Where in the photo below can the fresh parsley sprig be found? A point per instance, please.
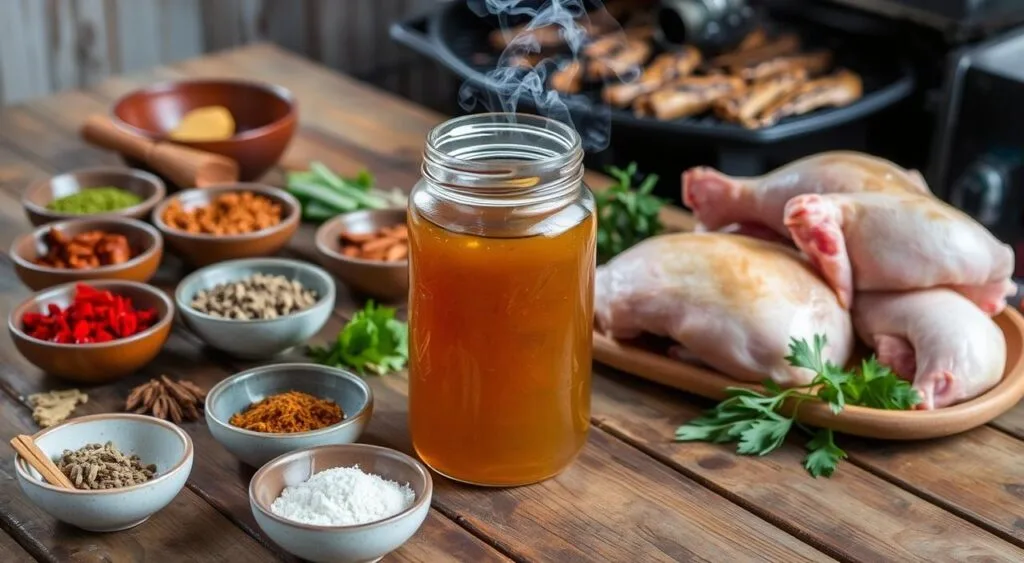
(754, 420)
(374, 340)
(626, 216)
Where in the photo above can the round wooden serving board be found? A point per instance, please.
(860, 421)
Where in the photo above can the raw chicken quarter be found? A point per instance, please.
(734, 302)
(950, 349)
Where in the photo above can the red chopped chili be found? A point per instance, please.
(93, 316)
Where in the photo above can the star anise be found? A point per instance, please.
(164, 398)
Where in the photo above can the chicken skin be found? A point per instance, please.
(718, 200)
(892, 242)
(731, 301)
(937, 339)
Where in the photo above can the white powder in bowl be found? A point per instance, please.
(343, 496)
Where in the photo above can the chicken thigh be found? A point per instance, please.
(939, 340)
(718, 200)
(892, 242)
(731, 301)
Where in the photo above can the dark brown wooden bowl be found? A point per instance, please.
(94, 363)
(143, 184)
(265, 118)
(143, 238)
(204, 249)
(387, 281)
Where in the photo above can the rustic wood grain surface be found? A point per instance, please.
(633, 494)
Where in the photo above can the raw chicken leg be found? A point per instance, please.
(937, 339)
(892, 242)
(718, 200)
(732, 301)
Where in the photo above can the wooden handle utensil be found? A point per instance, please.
(185, 166)
(30, 452)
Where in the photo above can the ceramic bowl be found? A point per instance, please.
(153, 440)
(387, 281)
(203, 249)
(265, 117)
(236, 393)
(340, 544)
(256, 339)
(144, 240)
(94, 363)
(42, 193)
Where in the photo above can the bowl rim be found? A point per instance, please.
(157, 246)
(288, 220)
(428, 489)
(278, 91)
(131, 417)
(225, 383)
(327, 251)
(187, 310)
(159, 192)
(167, 319)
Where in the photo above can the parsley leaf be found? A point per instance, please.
(823, 455)
(626, 216)
(374, 340)
(754, 420)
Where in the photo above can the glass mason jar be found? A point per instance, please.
(501, 266)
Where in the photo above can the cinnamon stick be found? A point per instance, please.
(30, 452)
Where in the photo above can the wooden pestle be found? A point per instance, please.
(184, 166)
(30, 452)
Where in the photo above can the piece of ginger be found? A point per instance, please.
(205, 124)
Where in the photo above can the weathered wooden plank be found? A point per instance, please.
(23, 50)
(93, 50)
(284, 23)
(138, 33)
(229, 23)
(12, 552)
(181, 29)
(1012, 422)
(854, 515)
(37, 140)
(61, 37)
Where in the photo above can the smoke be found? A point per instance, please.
(511, 82)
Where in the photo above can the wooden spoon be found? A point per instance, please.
(30, 452)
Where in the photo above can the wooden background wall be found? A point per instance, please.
(50, 45)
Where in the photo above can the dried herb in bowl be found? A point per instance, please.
(103, 466)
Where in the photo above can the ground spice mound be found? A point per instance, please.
(288, 412)
(97, 466)
(228, 214)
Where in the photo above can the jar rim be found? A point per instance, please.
(481, 125)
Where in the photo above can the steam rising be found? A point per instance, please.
(510, 82)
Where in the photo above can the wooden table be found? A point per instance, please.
(633, 495)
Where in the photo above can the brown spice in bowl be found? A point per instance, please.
(232, 213)
(91, 249)
(387, 244)
(285, 413)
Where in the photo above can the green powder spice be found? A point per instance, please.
(95, 200)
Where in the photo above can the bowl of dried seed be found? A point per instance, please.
(258, 307)
(124, 468)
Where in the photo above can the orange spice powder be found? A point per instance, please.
(288, 412)
(228, 214)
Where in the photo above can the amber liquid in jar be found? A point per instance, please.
(500, 345)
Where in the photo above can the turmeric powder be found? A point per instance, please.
(285, 413)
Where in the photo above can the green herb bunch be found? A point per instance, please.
(324, 194)
(755, 420)
(374, 340)
(626, 216)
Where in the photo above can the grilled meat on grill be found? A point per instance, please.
(744, 108)
(840, 89)
(663, 69)
(688, 96)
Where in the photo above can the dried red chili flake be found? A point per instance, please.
(93, 316)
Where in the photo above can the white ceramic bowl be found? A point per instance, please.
(361, 543)
(153, 440)
(237, 392)
(256, 339)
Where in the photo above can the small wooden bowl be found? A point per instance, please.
(94, 363)
(265, 117)
(204, 249)
(143, 184)
(388, 281)
(143, 239)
